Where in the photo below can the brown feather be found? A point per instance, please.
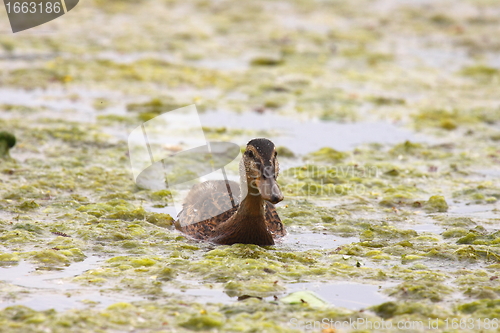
(253, 221)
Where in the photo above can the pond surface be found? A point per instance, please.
(308, 135)
(43, 290)
(354, 296)
(404, 201)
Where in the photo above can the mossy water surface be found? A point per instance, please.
(420, 215)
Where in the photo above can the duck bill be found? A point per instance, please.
(269, 190)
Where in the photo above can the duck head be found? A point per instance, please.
(259, 169)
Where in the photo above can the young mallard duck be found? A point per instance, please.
(254, 220)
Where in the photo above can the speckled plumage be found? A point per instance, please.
(252, 221)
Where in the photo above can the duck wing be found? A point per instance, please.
(273, 221)
(206, 206)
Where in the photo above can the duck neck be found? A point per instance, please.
(252, 204)
(248, 224)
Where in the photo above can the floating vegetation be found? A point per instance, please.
(7, 141)
(480, 72)
(414, 216)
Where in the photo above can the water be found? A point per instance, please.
(474, 210)
(297, 239)
(350, 295)
(427, 227)
(43, 290)
(163, 210)
(303, 241)
(423, 224)
(292, 131)
(26, 274)
(202, 294)
(49, 104)
(45, 300)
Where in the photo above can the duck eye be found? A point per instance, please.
(250, 154)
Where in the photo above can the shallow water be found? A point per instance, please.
(303, 136)
(409, 71)
(306, 240)
(164, 210)
(424, 227)
(45, 300)
(52, 103)
(50, 289)
(354, 296)
(288, 131)
(202, 294)
(472, 210)
(298, 239)
(29, 275)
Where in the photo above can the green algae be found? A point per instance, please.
(436, 203)
(452, 119)
(29, 227)
(160, 219)
(102, 104)
(144, 70)
(483, 193)
(7, 141)
(486, 308)
(153, 108)
(327, 154)
(478, 237)
(375, 192)
(407, 148)
(28, 205)
(382, 100)
(394, 309)
(266, 61)
(38, 77)
(455, 232)
(284, 152)
(8, 138)
(301, 297)
(435, 292)
(371, 58)
(202, 322)
(9, 258)
(56, 257)
(480, 71)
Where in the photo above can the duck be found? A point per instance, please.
(248, 209)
